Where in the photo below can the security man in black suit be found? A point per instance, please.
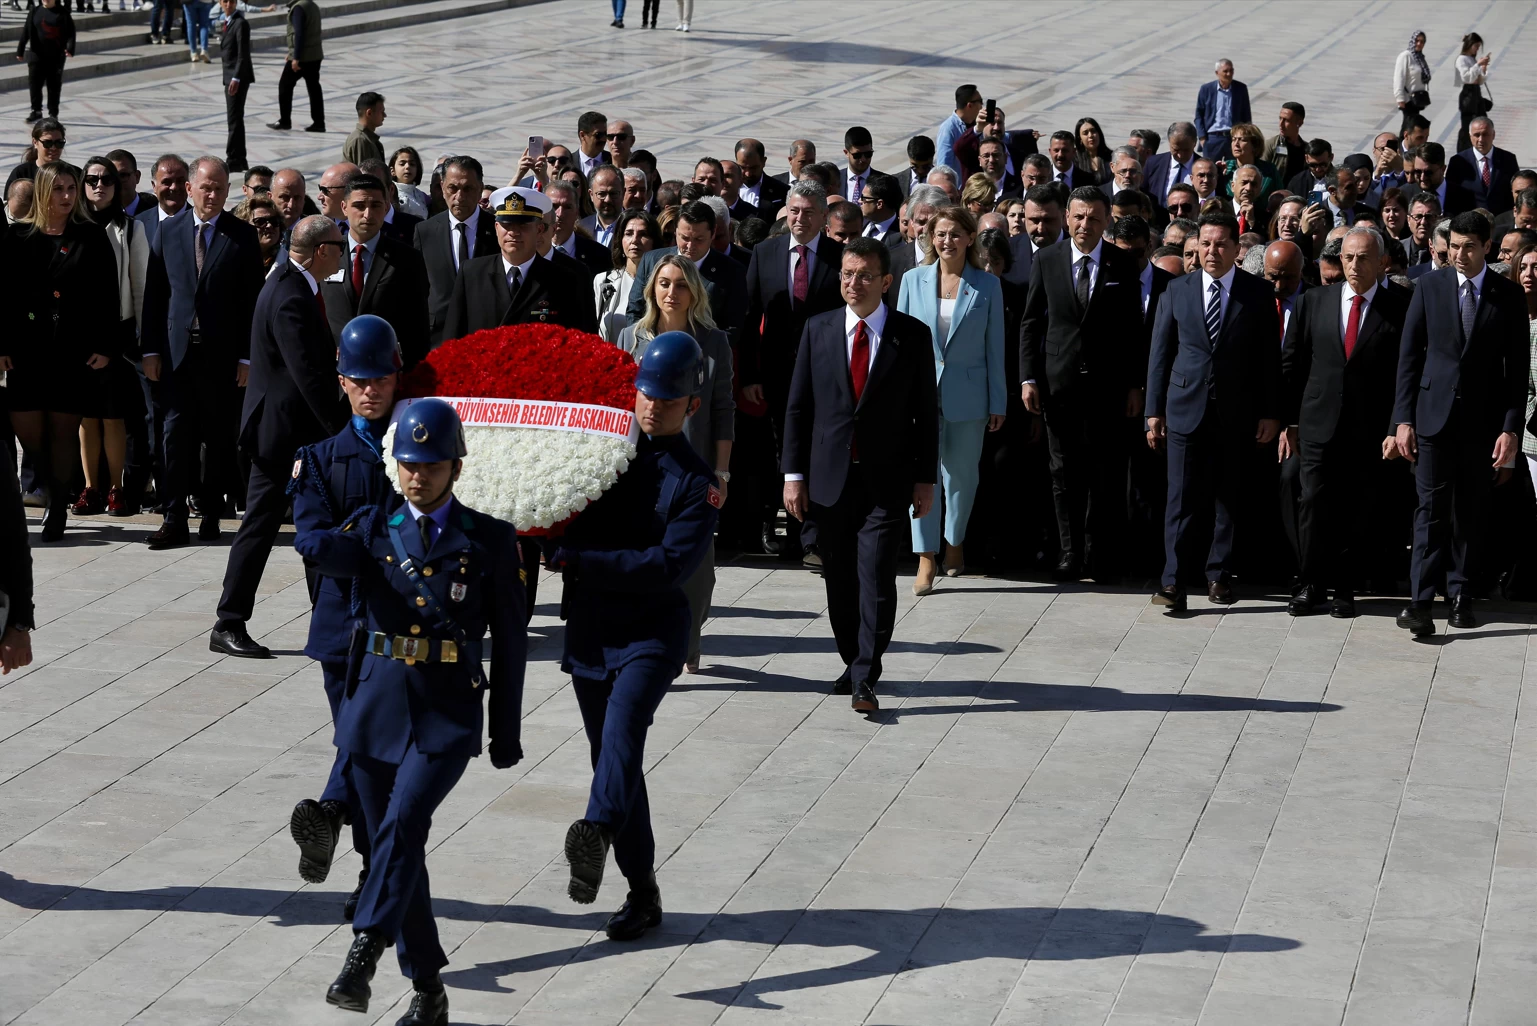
(449, 240)
(514, 285)
(1461, 405)
(1078, 360)
(861, 445)
(1340, 370)
(725, 280)
(235, 55)
(379, 275)
(770, 191)
(291, 401)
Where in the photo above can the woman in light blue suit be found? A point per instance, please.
(963, 306)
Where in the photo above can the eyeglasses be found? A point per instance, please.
(51, 144)
(950, 236)
(600, 136)
(621, 136)
(338, 243)
(863, 277)
(94, 180)
(267, 224)
(861, 154)
(558, 160)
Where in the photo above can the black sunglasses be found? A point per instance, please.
(262, 224)
(51, 144)
(861, 154)
(94, 180)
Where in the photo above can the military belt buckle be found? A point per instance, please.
(448, 652)
(409, 649)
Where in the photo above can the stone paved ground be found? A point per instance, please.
(1072, 810)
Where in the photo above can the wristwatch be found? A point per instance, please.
(724, 475)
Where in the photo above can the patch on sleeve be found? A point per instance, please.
(714, 497)
(298, 469)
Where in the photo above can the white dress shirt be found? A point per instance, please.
(523, 270)
(162, 215)
(470, 225)
(1478, 285)
(1146, 279)
(589, 164)
(795, 257)
(1226, 281)
(1179, 174)
(878, 229)
(752, 193)
(1094, 265)
(856, 184)
(1346, 298)
(875, 326)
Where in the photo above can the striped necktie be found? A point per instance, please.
(1214, 312)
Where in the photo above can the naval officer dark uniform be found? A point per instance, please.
(624, 561)
(412, 715)
(331, 481)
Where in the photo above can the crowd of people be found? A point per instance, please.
(1046, 388)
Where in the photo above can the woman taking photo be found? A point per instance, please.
(676, 301)
(1411, 80)
(1093, 158)
(963, 306)
(635, 235)
(117, 394)
(406, 170)
(1473, 70)
(60, 334)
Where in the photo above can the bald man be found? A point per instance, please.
(1339, 371)
(333, 190)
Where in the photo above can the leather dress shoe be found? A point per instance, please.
(314, 128)
(351, 989)
(844, 685)
(1302, 604)
(236, 642)
(1172, 597)
(769, 540)
(864, 698)
(316, 827)
(168, 536)
(811, 559)
(1344, 606)
(350, 906)
(1067, 568)
(279, 126)
(641, 911)
(429, 1004)
(1462, 613)
(1415, 618)
(587, 845)
(208, 530)
(1220, 593)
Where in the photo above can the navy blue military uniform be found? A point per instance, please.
(411, 715)
(331, 481)
(625, 559)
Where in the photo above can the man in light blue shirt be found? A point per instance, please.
(968, 104)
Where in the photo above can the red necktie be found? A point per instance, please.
(859, 371)
(801, 286)
(1486, 172)
(321, 301)
(1242, 224)
(1354, 324)
(357, 272)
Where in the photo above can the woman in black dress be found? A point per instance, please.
(63, 328)
(118, 394)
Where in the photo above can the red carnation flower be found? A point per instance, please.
(527, 361)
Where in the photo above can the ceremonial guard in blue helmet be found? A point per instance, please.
(331, 481)
(434, 576)
(624, 560)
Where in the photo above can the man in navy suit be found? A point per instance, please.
(1164, 170)
(1213, 392)
(861, 444)
(1480, 175)
(1461, 405)
(1222, 103)
(205, 271)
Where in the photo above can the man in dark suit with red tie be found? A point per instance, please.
(1213, 392)
(1340, 369)
(1078, 349)
(1460, 409)
(1480, 175)
(790, 278)
(379, 275)
(292, 401)
(861, 445)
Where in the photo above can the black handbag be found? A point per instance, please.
(1420, 98)
(1475, 104)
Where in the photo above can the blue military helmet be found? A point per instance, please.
(368, 348)
(428, 431)
(671, 367)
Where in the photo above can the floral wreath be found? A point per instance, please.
(548, 419)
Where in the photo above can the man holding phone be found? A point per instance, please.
(1387, 166)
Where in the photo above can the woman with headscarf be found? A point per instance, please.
(1411, 80)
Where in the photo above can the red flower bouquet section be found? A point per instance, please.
(548, 419)
(527, 361)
